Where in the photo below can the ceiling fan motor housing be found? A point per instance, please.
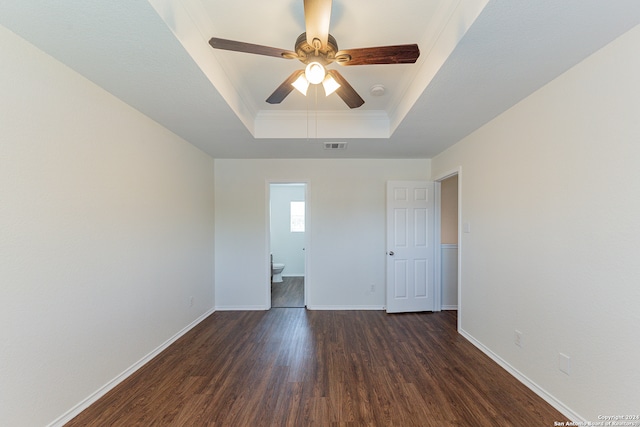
(307, 53)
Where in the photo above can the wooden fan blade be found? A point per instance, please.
(284, 89)
(317, 16)
(400, 54)
(345, 91)
(236, 46)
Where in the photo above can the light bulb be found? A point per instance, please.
(314, 73)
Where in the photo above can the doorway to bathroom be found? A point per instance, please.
(288, 225)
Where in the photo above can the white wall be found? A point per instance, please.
(106, 231)
(449, 275)
(287, 247)
(551, 191)
(346, 222)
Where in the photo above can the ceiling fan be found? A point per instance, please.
(317, 48)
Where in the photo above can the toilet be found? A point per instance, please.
(276, 271)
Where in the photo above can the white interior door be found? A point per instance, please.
(410, 246)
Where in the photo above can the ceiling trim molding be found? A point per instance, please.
(321, 124)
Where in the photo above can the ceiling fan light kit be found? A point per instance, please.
(317, 49)
(315, 74)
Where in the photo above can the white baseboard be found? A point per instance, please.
(345, 307)
(309, 307)
(84, 404)
(546, 396)
(242, 308)
(449, 307)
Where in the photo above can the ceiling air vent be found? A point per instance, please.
(335, 145)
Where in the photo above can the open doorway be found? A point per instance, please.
(287, 241)
(449, 214)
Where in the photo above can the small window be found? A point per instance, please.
(297, 217)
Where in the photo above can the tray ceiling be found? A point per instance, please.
(154, 56)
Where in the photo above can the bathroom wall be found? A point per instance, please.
(449, 210)
(287, 247)
(449, 239)
(449, 276)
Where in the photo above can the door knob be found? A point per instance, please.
(391, 253)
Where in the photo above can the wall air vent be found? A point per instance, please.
(335, 145)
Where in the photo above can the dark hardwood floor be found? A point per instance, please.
(289, 293)
(293, 367)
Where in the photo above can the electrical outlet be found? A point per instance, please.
(373, 288)
(518, 338)
(190, 301)
(563, 363)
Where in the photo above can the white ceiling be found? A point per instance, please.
(150, 58)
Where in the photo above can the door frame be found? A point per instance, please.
(307, 236)
(438, 261)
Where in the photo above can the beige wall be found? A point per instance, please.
(554, 240)
(449, 210)
(106, 232)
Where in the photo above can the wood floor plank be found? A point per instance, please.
(289, 293)
(293, 367)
